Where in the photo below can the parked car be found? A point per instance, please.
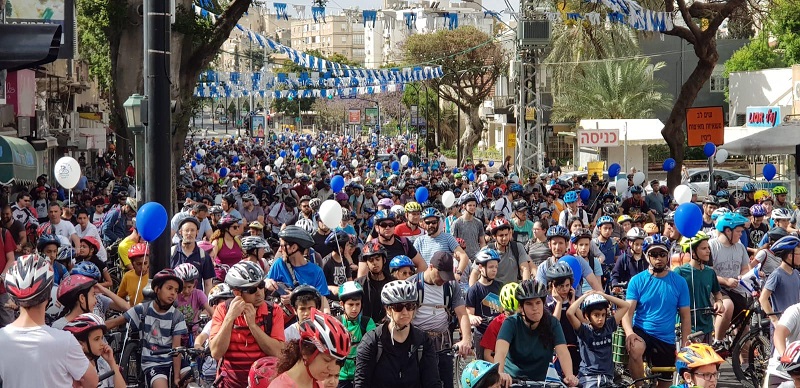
(698, 178)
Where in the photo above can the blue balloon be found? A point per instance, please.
(337, 183)
(296, 147)
(614, 170)
(283, 153)
(708, 150)
(334, 164)
(223, 172)
(198, 156)
(491, 163)
(669, 164)
(194, 164)
(410, 164)
(769, 171)
(422, 194)
(235, 159)
(471, 176)
(151, 220)
(379, 166)
(297, 154)
(575, 264)
(688, 219)
(395, 166)
(585, 195)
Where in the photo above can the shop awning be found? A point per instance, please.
(773, 141)
(17, 161)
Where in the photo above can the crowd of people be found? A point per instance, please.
(429, 261)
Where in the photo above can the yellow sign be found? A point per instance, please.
(91, 116)
(596, 168)
(511, 140)
(530, 113)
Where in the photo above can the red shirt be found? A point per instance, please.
(243, 349)
(489, 338)
(403, 230)
(8, 245)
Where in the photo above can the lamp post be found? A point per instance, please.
(136, 117)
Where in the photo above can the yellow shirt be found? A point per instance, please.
(132, 284)
(123, 247)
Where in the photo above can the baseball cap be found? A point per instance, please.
(443, 261)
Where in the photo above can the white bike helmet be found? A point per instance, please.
(187, 272)
(244, 274)
(398, 291)
(30, 280)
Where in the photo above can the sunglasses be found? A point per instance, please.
(659, 254)
(386, 224)
(398, 307)
(254, 289)
(434, 222)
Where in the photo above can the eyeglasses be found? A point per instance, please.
(386, 224)
(434, 222)
(398, 307)
(659, 254)
(236, 226)
(254, 289)
(707, 376)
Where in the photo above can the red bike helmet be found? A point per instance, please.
(83, 324)
(93, 243)
(72, 287)
(262, 372)
(327, 334)
(139, 250)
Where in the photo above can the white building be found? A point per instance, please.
(762, 88)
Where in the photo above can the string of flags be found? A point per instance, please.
(645, 20)
(280, 11)
(229, 91)
(318, 13)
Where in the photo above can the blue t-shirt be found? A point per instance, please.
(595, 345)
(609, 250)
(308, 274)
(655, 312)
(784, 287)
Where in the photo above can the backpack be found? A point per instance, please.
(514, 251)
(419, 348)
(267, 322)
(448, 293)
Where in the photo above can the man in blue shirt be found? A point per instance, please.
(115, 224)
(650, 321)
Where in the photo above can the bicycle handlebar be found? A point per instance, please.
(538, 384)
(179, 351)
(104, 376)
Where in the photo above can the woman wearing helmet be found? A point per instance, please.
(396, 353)
(358, 324)
(87, 251)
(318, 355)
(255, 247)
(227, 244)
(401, 267)
(698, 365)
(191, 301)
(89, 329)
(527, 340)
(700, 277)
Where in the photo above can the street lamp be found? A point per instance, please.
(136, 117)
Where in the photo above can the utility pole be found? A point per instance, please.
(158, 135)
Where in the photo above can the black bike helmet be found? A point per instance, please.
(531, 289)
(297, 235)
(559, 270)
(306, 290)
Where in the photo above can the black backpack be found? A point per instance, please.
(418, 347)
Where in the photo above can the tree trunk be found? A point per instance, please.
(472, 133)
(673, 131)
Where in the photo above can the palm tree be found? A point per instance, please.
(612, 89)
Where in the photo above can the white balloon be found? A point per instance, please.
(404, 160)
(354, 163)
(683, 194)
(314, 150)
(330, 212)
(202, 152)
(278, 162)
(68, 172)
(268, 169)
(622, 185)
(484, 177)
(638, 178)
(448, 198)
(721, 156)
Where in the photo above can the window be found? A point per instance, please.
(699, 177)
(344, 26)
(718, 83)
(344, 39)
(358, 39)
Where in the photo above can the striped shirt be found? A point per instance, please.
(427, 245)
(157, 331)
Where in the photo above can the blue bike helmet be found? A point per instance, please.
(730, 221)
(516, 187)
(430, 212)
(654, 241)
(749, 188)
(557, 231)
(400, 261)
(723, 194)
(758, 210)
(473, 374)
(605, 220)
(486, 255)
(785, 245)
(383, 215)
(88, 269)
(570, 197)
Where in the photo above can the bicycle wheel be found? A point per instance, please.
(754, 350)
(129, 363)
(459, 364)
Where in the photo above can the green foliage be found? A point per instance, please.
(423, 97)
(99, 22)
(621, 89)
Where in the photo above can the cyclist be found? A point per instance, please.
(401, 267)
(527, 340)
(562, 295)
(480, 315)
(191, 301)
(632, 261)
(438, 241)
(350, 294)
(34, 354)
(510, 305)
(468, 227)
(604, 242)
(515, 264)
(749, 191)
(89, 330)
(572, 210)
(318, 355)
(397, 353)
(729, 261)
(703, 284)
(780, 218)
(77, 294)
(48, 246)
(480, 374)
(625, 222)
(758, 228)
(780, 290)
(765, 257)
(649, 324)
(780, 194)
(787, 331)
(372, 283)
(303, 300)
(698, 365)
(581, 241)
(710, 204)
(295, 268)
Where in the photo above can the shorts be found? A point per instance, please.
(739, 301)
(163, 372)
(659, 353)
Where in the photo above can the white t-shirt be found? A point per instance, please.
(64, 229)
(791, 320)
(40, 357)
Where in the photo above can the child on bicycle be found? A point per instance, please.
(191, 301)
(594, 329)
(303, 299)
(698, 365)
(780, 289)
(350, 295)
(508, 301)
(561, 296)
(487, 261)
(703, 284)
(89, 330)
(480, 374)
(134, 280)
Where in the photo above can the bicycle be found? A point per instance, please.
(517, 383)
(194, 378)
(459, 363)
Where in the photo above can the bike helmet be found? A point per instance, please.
(65, 254)
(743, 211)
(92, 243)
(697, 355)
(570, 197)
(468, 197)
(498, 224)
(580, 234)
(187, 272)
(398, 210)
(400, 261)
(520, 205)
(777, 233)
(413, 207)
(30, 280)
(139, 250)
(669, 217)
(508, 297)
(785, 245)
(73, 286)
(262, 372)
(716, 214)
(474, 372)
(373, 249)
(624, 218)
(398, 291)
(47, 239)
(723, 195)
(559, 270)
(594, 302)
(191, 219)
(306, 224)
(315, 203)
(790, 360)
(251, 243)
(636, 233)
(497, 193)
(605, 220)
(216, 209)
(730, 221)
(88, 269)
(327, 334)
(244, 274)
(636, 189)
(515, 188)
(749, 188)
(384, 215)
(219, 293)
(650, 228)
(779, 190)
(296, 235)
(84, 324)
(350, 290)
(557, 231)
(692, 243)
(227, 221)
(431, 212)
(386, 202)
(610, 209)
(167, 274)
(758, 210)
(306, 290)
(531, 289)
(486, 255)
(781, 214)
(656, 241)
(711, 200)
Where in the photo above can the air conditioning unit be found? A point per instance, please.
(535, 33)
